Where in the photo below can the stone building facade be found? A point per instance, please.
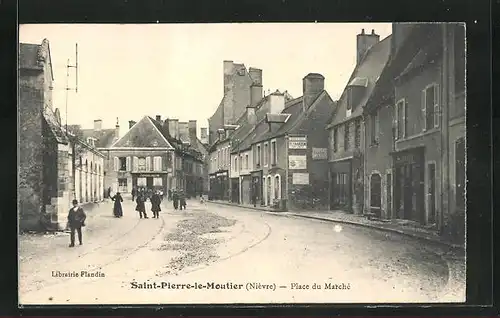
(416, 170)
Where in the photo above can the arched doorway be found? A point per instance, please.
(269, 190)
(376, 194)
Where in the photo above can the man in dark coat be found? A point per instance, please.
(182, 200)
(76, 219)
(155, 204)
(117, 208)
(175, 199)
(140, 205)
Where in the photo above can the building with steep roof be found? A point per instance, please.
(46, 150)
(415, 159)
(346, 126)
(156, 154)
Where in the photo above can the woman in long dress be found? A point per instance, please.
(117, 208)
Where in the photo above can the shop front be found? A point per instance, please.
(246, 182)
(150, 181)
(409, 174)
(219, 186)
(235, 190)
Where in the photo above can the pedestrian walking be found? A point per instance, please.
(109, 192)
(175, 199)
(182, 200)
(134, 193)
(117, 207)
(155, 204)
(76, 220)
(140, 205)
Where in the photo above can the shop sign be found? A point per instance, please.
(149, 175)
(300, 178)
(221, 174)
(297, 162)
(297, 142)
(319, 153)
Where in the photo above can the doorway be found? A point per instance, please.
(376, 194)
(432, 192)
(389, 194)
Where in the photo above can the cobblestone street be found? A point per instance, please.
(222, 244)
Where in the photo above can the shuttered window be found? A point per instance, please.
(128, 165)
(430, 107)
(135, 163)
(148, 164)
(157, 163)
(115, 164)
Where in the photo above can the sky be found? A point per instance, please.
(176, 70)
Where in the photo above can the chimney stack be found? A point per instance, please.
(364, 42)
(192, 132)
(256, 75)
(117, 128)
(97, 124)
(131, 123)
(158, 118)
(204, 135)
(251, 116)
(228, 72)
(312, 85)
(222, 134)
(276, 102)
(173, 128)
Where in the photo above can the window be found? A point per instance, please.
(274, 153)
(349, 100)
(241, 163)
(430, 107)
(157, 164)
(277, 187)
(376, 191)
(401, 121)
(157, 182)
(460, 173)
(246, 161)
(335, 139)
(235, 163)
(258, 156)
(346, 137)
(122, 185)
(374, 128)
(141, 182)
(142, 164)
(266, 153)
(357, 133)
(122, 162)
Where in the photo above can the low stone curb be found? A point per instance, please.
(421, 237)
(382, 228)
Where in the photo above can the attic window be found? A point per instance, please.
(241, 72)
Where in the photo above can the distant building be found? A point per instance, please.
(238, 85)
(156, 154)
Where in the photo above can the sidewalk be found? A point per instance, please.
(403, 227)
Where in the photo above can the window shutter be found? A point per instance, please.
(135, 163)
(160, 164)
(405, 129)
(128, 163)
(115, 163)
(437, 109)
(396, 121)
(424, 109)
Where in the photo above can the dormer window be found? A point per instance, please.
(354, 93)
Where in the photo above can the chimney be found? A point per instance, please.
(364, 43)
(158, 118)
(117, 128)
(276, 102)
(204, 135)
(312, 85)
(182, 130)
(173, 128)
(256, 75)
(222, 134)
(251, 116)
(131, 123)
(228, 73)
(97, 124)
(255, 94)
(192, 132)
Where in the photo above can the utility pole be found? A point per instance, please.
(68, 66)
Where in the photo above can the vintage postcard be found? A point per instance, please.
(242, 163)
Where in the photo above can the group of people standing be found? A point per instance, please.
(140, 197)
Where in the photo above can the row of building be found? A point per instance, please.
(392, 146)
(59, 163)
